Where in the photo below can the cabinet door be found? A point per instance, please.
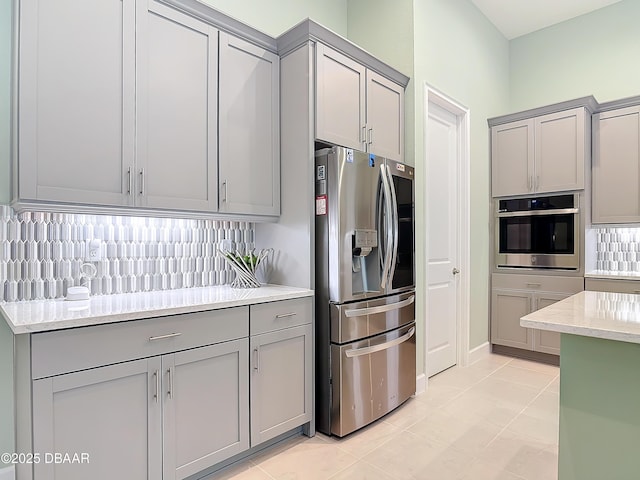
(249, 128)
(512, 149)
(177, 66)
(544, 340)
(385, 117)
(76, 100)
(206, 406)
(616, 166)
(560, 151)
(507, 307)
(281, 382)
(340, 99)
(112, 414)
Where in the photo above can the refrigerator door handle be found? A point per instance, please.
(394, 225)
(388, 208)
(358, 352)
(358, 312)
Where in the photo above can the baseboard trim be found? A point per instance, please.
(479, 352)
(7, 473)
(421, 384)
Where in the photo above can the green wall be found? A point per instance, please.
(595, 54)
(278, 16)
(461, 54)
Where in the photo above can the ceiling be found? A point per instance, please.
(519, 17)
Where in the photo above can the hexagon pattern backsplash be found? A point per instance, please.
(41, 254)
(618, 249)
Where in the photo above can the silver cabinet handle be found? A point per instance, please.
(163, 337)
(534, 285)
(170, 387)
(129, 181)
(357, 312)
(636, 291)
(256, 360)
(142, 181)
(370, 136)
(363, 138)
(358, 352)
(224, 192)
(156, 393)
(284, 315)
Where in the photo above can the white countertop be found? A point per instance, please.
(612, 316)
(609, 275)
(45, 315)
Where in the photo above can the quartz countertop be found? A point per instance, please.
(607, 315)
(44, 315)
(610, 275)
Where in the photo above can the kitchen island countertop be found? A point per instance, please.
(605, 315)
(45, 315)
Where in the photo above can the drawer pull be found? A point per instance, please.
(162, 337)
(156, 394)
(285, 315)
(534, 285)
(256, 362)
(636, 291)
(170, 388)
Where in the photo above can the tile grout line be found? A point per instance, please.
(542, 390)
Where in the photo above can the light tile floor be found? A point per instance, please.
(496, 419)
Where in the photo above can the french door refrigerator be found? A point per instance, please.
(365, 288)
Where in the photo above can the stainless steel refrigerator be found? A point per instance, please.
(365, 288)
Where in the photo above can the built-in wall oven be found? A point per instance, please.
(538, 232)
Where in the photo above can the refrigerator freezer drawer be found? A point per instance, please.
(371, 377)
(353, 321)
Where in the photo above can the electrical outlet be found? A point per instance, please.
(93, 250)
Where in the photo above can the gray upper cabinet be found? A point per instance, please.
(385, 117)
(616, 166)
(76, 101)
(356, 107)
(340, 99)
(540, 155)
(249, 162)
(512, 151)
(177, 132)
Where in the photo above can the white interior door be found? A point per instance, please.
(442, 238)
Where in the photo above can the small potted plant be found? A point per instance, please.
(246, 265)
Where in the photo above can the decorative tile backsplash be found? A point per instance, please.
(618, 249)
(42, 254)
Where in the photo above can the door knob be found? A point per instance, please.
(455, 271)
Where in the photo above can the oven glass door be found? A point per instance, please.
(550, 234)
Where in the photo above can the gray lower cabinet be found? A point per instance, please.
(281, 348)
(616, 166)
(280, 381)
(249, 161)
(164, 417)
(612, 285)
(513, 296)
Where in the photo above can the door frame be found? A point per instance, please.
(462, 113)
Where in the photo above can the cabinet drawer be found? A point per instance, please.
(64, 351)
(613, 285)
(538, 282)
(267, 317)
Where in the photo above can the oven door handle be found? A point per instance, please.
(535, 213)
(358, 312)
(358, 352)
